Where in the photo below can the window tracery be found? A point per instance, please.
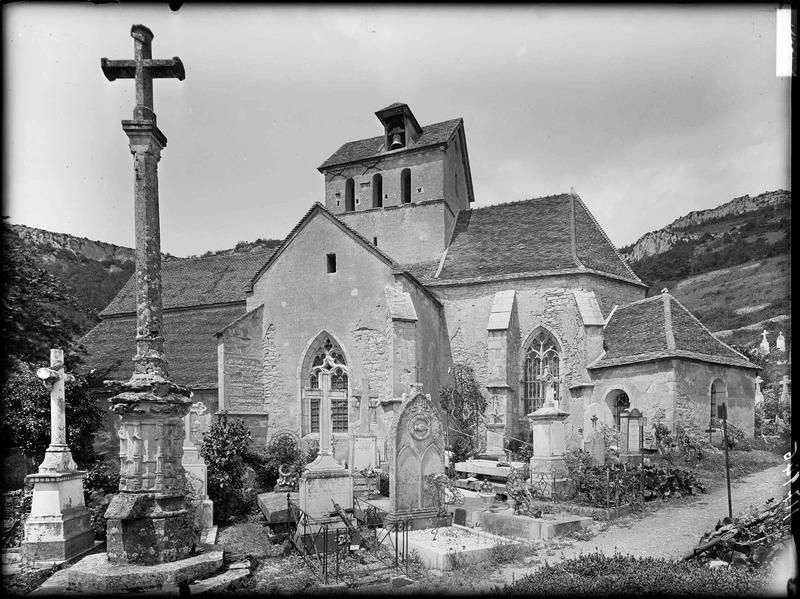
(542, 352)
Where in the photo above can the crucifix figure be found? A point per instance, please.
(548, 382)
(367, 400)
(58, 457)
(324, 372)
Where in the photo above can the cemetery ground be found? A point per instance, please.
(659, 529)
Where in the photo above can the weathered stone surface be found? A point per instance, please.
(416, 451)
(275, 508)
(95, 573)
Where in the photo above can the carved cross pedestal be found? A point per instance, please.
(325, 479)
(148, 521)
(59, 526)
(364, 442)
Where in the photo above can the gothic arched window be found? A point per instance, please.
(542, 352)
(338, 391)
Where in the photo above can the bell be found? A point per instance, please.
(397, 141)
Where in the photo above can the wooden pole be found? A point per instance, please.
(727, 464)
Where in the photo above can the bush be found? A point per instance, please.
(283, 449)
(521, 449)
(99, 486)
(598, 574)
(383, 483)
(224, 448)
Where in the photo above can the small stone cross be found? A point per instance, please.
(58, 457)
(548, 381)
(143, 68)
(367, 401)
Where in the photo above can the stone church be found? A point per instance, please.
(396, 277)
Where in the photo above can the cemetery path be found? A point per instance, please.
(672, 531)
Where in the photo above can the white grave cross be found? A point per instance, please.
(324, 371)
(58, 457)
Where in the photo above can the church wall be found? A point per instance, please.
(427, 172)
(302, 299)
(649, 386)
(409, 233)
(545, 301)
(455, 178)
(694, 393)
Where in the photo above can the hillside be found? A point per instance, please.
(730, 265)
(94, 271)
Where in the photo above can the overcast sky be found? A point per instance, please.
(648, 112)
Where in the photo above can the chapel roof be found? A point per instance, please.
(546, 235)
(661, 327)
(361, 149)
(190, 282)
(189, 344)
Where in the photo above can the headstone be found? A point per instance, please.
(325, 480)
(785, 393)
(594, 444)
(148, 521)
(195, 466)
(549, 444)
(764, 345)
(416, 450)
(59, 526)
(364, 442)
(780, 342)
(759, 397)
(631, 428)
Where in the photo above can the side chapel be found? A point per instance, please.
(396, 277)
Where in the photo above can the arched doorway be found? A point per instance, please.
(617, 401)
(718, 395)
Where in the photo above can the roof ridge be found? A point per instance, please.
(610, 243)
(705, 328)
(227, 256)
(668, 332)
(555, 195)
(573, 245)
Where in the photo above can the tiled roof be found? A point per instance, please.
(362, 149)
(530, 236)
(189, 344)
(661, 327)
(197, 281)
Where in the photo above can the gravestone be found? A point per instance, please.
(416, 450)
(363, 441)
(632, 424)
(780, 342)
(764, 345)
(325, 480)
(594, 444)
(759, 397)
(549, 442)
(195, 467)
(59, 526)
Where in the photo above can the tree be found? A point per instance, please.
(464, 405)
(26, 417)
(36, 308)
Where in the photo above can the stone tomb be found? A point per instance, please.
(416, 450)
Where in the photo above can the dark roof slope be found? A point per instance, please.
(362, 149)
(530, 236)
(189, 344)
(197, 281)
(661, 327)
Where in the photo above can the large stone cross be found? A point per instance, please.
(58, 457)
(548, 382)
(367, 400)
(143, 68)
(324, 371)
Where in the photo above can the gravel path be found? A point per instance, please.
(671, 532)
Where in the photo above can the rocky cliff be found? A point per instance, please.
(684, 228)
(80, 246)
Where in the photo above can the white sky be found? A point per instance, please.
(649, 112)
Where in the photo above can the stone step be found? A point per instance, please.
(224, 582)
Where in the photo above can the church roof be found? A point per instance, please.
(190, 282)
(547, 235)
(353, 151)
(189, 344)
(661, 327)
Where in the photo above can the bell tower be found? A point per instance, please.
(402, 190)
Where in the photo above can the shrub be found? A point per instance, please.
(283, 449)
(521, 449)
(99, 486)
(383, 483)
(598, 574)
(224, 448)
(464, 405)
(737, 439)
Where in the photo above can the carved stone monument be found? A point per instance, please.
(325, 479)
(59, 526)
(416, 450)
(364, 442)
(594, 443)
(631, 426)
(195, 467)
(549, 446)
(148, 521)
